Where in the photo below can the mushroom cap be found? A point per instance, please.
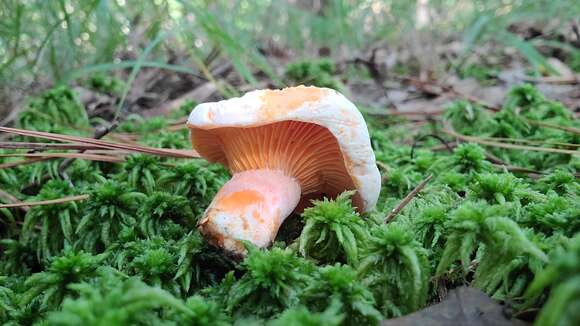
(312, 105)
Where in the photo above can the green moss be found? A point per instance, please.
(333, 231)
(485, 75)
(396, 268)
(106, 84)
(317, 73)
(56, 110)
(574, 61)
(112, 207)
(131, 254)
(56, 221)
(273, 282)
(301, 316)
(341, 284)
(562, 276)
(52, 285)
(518, 120)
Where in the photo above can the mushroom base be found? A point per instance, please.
(251, 207)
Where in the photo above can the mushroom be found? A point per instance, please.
(284, 148)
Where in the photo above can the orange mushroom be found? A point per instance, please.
(284, 148)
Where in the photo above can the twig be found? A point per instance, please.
(375, 72)
(46, 202)
(408, 199)
(371, 66)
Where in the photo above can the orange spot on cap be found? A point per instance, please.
(277, 102)
(245, 224)
(238, 201)
(256, 215)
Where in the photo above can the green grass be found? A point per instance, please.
(60, 40)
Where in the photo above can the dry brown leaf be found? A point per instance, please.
(463, 306)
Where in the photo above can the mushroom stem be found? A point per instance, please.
(251, 206)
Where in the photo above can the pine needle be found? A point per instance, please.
(482, 141)
(46, 202)
(554, 126)
(46, 146)
(164, 152)
(90, 157)
(527, 141)
(23, 162)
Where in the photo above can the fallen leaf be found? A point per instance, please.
(463, 306)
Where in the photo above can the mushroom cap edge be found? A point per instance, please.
(322, 106)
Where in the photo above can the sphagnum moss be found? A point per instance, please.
(130, 255)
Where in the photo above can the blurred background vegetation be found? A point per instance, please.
(429, 75)
(49, 42)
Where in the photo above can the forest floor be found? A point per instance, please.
(479, 199)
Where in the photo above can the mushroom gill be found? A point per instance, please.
(302, 150)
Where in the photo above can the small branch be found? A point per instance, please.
(46, 202)
(408, 199)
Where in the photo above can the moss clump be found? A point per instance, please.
(483, 74)
(130, 254)
(56, 110)
(106, 84)
(332, 230)
(316, 73)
